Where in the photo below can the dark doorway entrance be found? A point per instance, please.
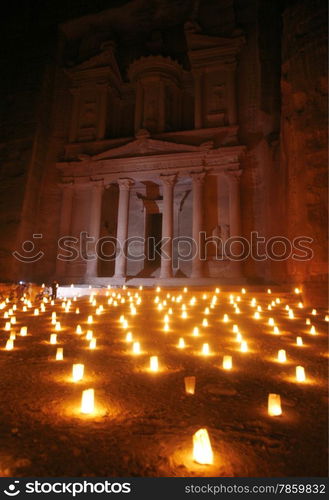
(153, 237)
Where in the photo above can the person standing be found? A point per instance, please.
(54, 287)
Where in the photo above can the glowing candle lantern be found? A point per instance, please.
(274, 405)
(291, 314)
(189, 385)
(24, 308)
(217, 290)
(181, 343)
(77, 311)
(184, 315)
(206, 311)
(299, 341)
(312, 330)
(12, 336)
(36, 312)
(195, 331)
(166, 327)
(92, 344)
(53, 338)
(87, 401)
(276, 330)
(205, 349)
(308, 321)
(129, 337)
(227, 362)
(256, 315)
(185, 289)
(125, 324)
(57, 326)
(277, 300)
(9, 345)
(7, 326)
(235, 329)
(297, 291)
(23, 331)
(225, 318)
(282, 358)
(136, 348)
(89, 335)
(59, 354)
(300, 374)
(269, 291)
(238, 337)
(244, 346)
(154, 363)
(243, 290)
(271, 322)
(78, 330)
(121, 319)
(89, 319)
(314, 312)
(300, 305)
(13, 320)
(77, 372)
(326, 317)
(204, 322)
(202, 451)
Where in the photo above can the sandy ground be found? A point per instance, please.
(144, 422)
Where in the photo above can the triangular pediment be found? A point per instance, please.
(104, 59)
(145, 147)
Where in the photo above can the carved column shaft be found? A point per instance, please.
(94, 226)
(65, 223)
(235, 216)
(122, 230)
(197, 222)
(168, 182)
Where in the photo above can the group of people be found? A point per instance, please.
(29, 291)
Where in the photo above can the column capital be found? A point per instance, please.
(198, 177)
(125, 184)
(168, 180)
(66, 185)
(233, 175)
(97, 183)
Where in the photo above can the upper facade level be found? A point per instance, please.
(114, 97)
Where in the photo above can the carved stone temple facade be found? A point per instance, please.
(164, 163)
(152, 121)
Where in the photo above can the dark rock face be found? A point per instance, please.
(304, 136)
(281, 116)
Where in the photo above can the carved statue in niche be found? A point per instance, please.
(169, 108)
(217, 99)
(221, 231)
(150, 108)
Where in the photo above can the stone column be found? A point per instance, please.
(198, 103)
(197, 222)
(122, 230)
(233, 177)
(65, 223)
(168, 182)
(97, 189)
(102, 111)
(74, 124)
(231, 96)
